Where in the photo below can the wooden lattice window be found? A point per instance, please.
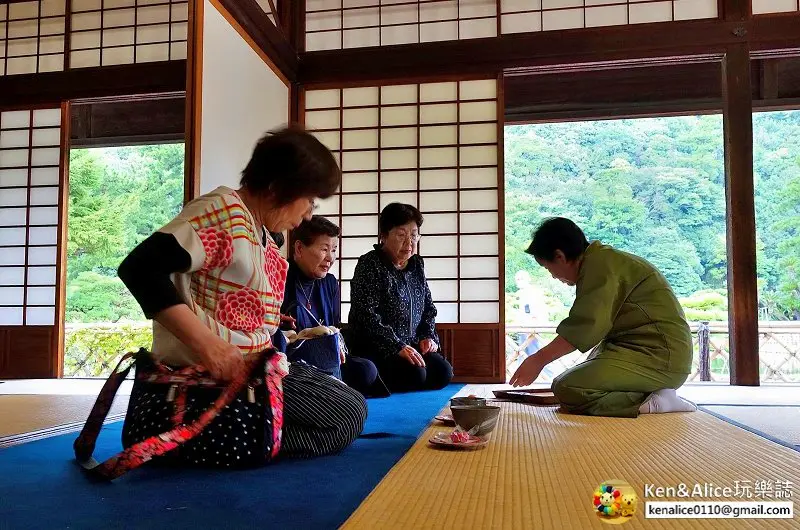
(338, 24)
(519, 16)
(30, 194)
(32, 37)
(107, 32)
(433, 145)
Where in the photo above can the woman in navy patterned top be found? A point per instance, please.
(392, 317)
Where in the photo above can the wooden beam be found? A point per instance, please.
(768, 80)
(666, 90)
(57, 347)
(266, 36)
(742, 286)
(735, 10)
(136, 122)
(545, 49)
(194, 100)
(80, 83)
(297, 25)
(619, 92)
(285, 11)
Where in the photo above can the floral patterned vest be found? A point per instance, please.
(235, 283)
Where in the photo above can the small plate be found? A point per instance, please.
(447, 419)
(442, 439)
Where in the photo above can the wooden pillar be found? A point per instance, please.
(742, 288)
(296, 25)
(194, 99)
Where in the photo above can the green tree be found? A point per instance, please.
(118, 197)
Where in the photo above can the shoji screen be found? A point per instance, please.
(432, 145)
(32, 36)
(106, 32)
(30, 203)
(339, 24)
(54, 35)
(519, 16)
(242, 98)
(436, 146)
(775, 6)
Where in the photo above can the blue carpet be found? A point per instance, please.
(42, 487)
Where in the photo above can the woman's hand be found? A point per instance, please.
(428, 346)
(288, 319)
(528, 371)
(222, 360)
(411, 355)
(531, 367)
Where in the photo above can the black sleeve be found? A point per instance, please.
(147, 269)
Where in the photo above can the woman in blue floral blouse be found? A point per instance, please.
(392, 317)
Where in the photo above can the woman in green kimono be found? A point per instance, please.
(626, 310)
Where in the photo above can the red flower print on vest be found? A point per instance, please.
(241, 310)
(276, 269)
(218, 245)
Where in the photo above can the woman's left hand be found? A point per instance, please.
(527, 372)
(288, 319)
(428, 346)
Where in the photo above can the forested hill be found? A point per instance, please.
(655, 187)
(117, 197)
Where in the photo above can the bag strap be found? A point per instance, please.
(84, 445)
(299, 342)
(310, 314)
(140, 453)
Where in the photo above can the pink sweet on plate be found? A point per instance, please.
(459, 437)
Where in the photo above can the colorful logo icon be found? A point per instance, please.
(615, 501)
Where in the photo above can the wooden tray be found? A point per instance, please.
(532, 396)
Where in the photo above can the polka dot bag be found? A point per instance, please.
(183, 417)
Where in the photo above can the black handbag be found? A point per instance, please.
(185, 417)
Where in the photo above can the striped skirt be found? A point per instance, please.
(321, 415)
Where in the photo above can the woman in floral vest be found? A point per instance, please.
(213, 281)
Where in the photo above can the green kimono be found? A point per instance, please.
(626, 310)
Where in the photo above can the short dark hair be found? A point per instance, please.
(290, 163)
(557, 233)
(397, 214)
(309, 231)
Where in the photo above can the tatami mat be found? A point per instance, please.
(542, 467)
(27, 413)
(782, 423)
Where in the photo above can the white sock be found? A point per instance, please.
(666, 400)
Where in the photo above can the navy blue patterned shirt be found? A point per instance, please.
(390, 308)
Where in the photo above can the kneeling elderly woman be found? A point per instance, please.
(191, 277)
(392, 316)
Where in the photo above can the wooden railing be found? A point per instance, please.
(93, 349)
(779, 351)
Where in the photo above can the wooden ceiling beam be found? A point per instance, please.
(81, 83)
(128, 122)
(269, 38)
(547, 49)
